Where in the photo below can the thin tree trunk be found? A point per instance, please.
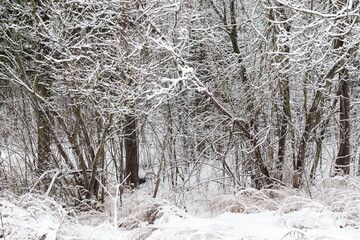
(99, 157)
(162, 160)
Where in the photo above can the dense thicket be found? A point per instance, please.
(182, 92)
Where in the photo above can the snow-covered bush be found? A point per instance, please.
(31, 217)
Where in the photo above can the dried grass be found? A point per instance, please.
(294, 235)
(227, 203)
(249, 201)
(142, 233)
(204, 236)
(337, 198)
(129, 223)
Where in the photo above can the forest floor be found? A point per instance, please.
(331, 213)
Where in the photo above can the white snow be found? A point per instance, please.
(333, 213)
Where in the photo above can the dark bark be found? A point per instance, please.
(343, 158)
(285, 117)
(233, 33)
(281, 148)
(342, 163)
(42, 84)
(131, 151)
(43, 141)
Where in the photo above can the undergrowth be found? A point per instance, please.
(335, 202)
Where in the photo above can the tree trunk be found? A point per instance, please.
(43, 128)
(343, 158)
(131, 151)
(342, 163)
(284, 83)
(43, 141)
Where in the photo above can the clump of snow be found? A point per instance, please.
(34, 216)
(31, 217)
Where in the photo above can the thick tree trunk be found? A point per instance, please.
(131, 150)
(285, 117)
(43, 142)
(43, 128)
(342, 163)
(343, 158)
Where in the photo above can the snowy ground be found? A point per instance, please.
(333, 213)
